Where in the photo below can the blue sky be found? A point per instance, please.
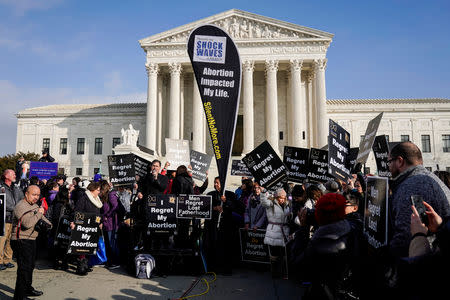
(68, 51)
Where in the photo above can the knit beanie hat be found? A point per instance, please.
(330, 208)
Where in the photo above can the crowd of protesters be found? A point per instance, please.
(314, 231)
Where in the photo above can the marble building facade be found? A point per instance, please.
(283, 100)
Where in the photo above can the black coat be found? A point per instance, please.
(85, 205)
(183, 184)
(150, 186)
(76, 194)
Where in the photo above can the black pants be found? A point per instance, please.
(25, 251)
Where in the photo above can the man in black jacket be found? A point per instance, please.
(46, 157)
(154, 183)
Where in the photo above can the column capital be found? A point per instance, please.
(296, 65)
(249, 65)
(310, 76)
(175, 68)
(152, 69)
(320, 64)
(271, 65)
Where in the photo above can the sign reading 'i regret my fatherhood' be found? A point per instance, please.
(194, 206)
(217, 69)
(376, 211)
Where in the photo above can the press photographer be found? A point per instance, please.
(28, 221)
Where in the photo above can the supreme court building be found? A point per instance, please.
(283, 100)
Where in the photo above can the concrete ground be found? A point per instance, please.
(101, 283)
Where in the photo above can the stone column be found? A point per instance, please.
(197, 118)
(182, 107)
(304, 111)
(152, 99)
(306, 90)
(289, 112)
(298, 105)
(321, 103)
(174, 108)
(249, 133)
(311, 110)
(272, 104)
(160, 109)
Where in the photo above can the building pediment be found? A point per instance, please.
(242, 27)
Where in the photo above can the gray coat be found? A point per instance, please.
(255, 215)
(277, 231)
(414, 181)
(13, 195)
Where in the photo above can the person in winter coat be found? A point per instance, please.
(46, 157)
(409, 177)
(110, 202)
(60, 207)
(88, 203)
(77, 191)
(13, 195)
(278, 213)
(255, 214)
(332, 259)
(218, 235)
(25, 217)
(53, 191)
(182, 184)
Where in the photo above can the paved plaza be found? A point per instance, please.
(102, 283)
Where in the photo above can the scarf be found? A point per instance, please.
(96, 201)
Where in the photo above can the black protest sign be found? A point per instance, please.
(296, 162)
(84, 237)
(351, 158)
(194, 206)
(338, 150)
(161, 213)
(121, 170)
(238, 168)
(2, 213)
(381, 152)
(253, 248)
(200, 163)
(141, 166)
(177, 153)
(217, 69)
(318, 165)
(376, 211)
(369, 137)
(265, 165)
(63, 231)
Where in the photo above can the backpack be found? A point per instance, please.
(145, 263)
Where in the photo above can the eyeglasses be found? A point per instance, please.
(391, 160)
